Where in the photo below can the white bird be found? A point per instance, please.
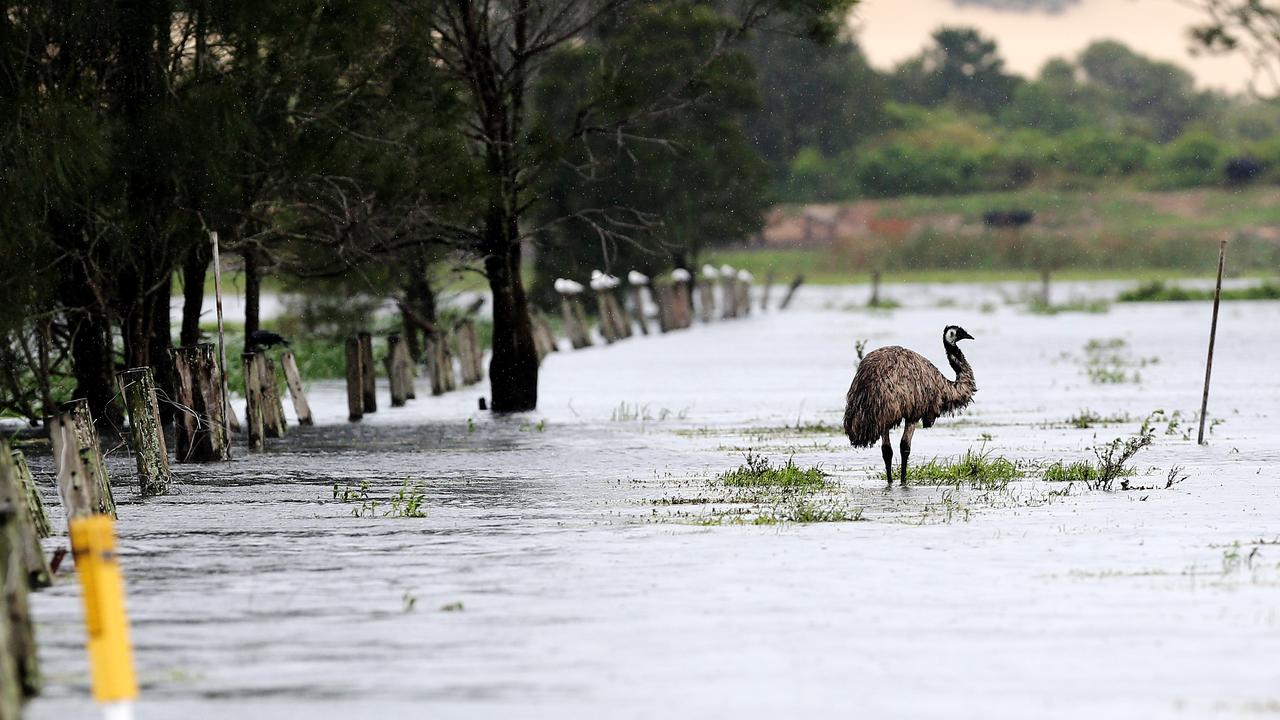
(726, 271)
(637, 278)
(602, 281)
(709, 271)
(567, 287)
(745, 276)
(680, 275)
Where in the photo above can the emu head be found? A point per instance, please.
(954, 333)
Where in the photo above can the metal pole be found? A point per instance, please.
(222, 343)
(1213, 333)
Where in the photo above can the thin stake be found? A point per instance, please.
(222, 342)
(1213, 334)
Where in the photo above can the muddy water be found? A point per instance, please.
(545, 582)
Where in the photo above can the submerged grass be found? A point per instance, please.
(976, 468)
(1038, 306)
(1107, 361)
(1112, 463)
(1086, 419)
(758, 472)
(1159, 291)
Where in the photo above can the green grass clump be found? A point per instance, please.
(1112, 463)
(1107, 361)
(1038, 306)
(758, 472)
(977, 469)
(1159, 291)
(1086, 419)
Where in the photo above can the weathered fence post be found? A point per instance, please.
(369, 373)
(636, 282)
(743, 287)
(39, 518)
(682, 302)
(19, 667)
(76, 489)
(707, 294)
(90, 448)
(768, 290)
(611, 324)
(394, 377)
(273, 423)
(543, 337)
(469, 354)
(13, 494)
(791, 291)
(728, 291)
(575, 325)
(145, 437)
(254, 414)
(875, 289)
(293, 379)
(200, 432)
(355, 379)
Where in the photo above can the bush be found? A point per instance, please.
(1094, 153)
(1191, 160)
(902, 169)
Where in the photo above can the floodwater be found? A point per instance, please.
(548, 579)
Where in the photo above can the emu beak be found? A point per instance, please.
(963, 335)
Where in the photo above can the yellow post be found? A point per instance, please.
(93, 542)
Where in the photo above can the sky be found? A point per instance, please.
(893, 30)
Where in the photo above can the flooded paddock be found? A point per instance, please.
(581, 561)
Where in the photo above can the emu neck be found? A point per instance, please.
(964, 384)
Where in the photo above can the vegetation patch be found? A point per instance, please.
(1038, 306)
(1086, 419)
(976, 468)
(1108, 361)
(407, 502)
(1113, 462)
(758, 472)
(1159, 291)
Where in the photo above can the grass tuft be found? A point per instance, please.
(978, 469)
(1112, 463)
(758, 472)
(1159, 291)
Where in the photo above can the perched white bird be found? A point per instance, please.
(637, 278)
(745, 276)
(567, 287)
(727, 271)
(680, 275)
(602, 281)
(709, 271)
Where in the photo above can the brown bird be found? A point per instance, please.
(895, 385)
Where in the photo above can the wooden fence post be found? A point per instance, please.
(394, 377)
(743, 290)
(1213, 336)
(729, 291)
(76, 489)
(682, 298)
(145, 437)
(768, 290)
(293, 379)
(707, 294)
(636, 283)
(12, 494)
(200, 432)
(369, 373)
(575, 325)
(35, 505)
(469, 354)
(791, 291)
(543, 337)
(20, 667)
(273, 420)
(254, 413)
(90, 447)
(355, 379)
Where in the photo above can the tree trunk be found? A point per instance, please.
(513, 369)
(421, 300)
(194, 268)
(252, 291)
(91, 359)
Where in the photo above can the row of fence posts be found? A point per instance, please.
(724, 288)
(451, 360)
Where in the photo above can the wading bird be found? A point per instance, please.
(895, 385)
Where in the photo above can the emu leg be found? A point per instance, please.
(907, 431)
(886, 448)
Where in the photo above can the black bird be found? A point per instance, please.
(260, 339)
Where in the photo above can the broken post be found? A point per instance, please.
(200, 430)
(394, 377)
(768, 290)
(1213, 334)
(19, 666)
(12, 494)
(293, 379)
(729, 291)
(75, 484)
(791, 291)
(469, 353)
(138, 387)
(35, 506)
(90, 448)
(682, 300)
(369, 373)
(611, 324)
(254, 415)
(543, 337)
(355, 380)
(575, 325)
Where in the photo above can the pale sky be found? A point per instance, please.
(892, 30)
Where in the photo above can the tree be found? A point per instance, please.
(1160, 93)
(1248, 27)
(962, 67)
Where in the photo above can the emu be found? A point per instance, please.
(895, 385)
